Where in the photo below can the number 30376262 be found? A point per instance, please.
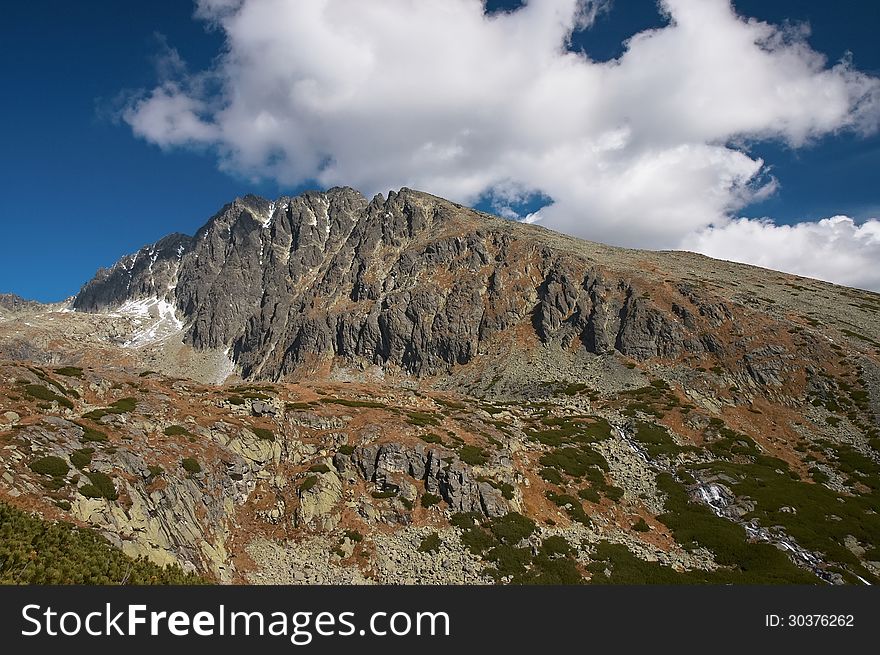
(810, 621)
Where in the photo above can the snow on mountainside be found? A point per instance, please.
(155, 320)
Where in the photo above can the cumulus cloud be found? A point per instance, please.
(834, 249)
(646, 150)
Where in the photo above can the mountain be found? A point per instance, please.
(327, 388)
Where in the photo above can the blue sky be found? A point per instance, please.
(80, 189)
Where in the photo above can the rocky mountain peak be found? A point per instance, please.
(421, 376)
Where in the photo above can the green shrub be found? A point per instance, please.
(423, 419)
(430, 437)
(590, 494)
(574, 461)
(366, 404)
(191, 465)
(819, 476)
(641, 526)
(50, 465)
(556, 545)
(612, 493)
(505, 488)
(429, 499)
(319, 468)
(464, 520)
(573, 388)
(657, 440)
(556, 571)
(430, 543)
(477, 540)
(256, 395)
(309, 482)
(122, 406)
(53, 484)
(563, 430)
(551, 475)
(384, 494)
(93, 435)
(176, 431)
(512, 527)
(101, 486)
(572, 506)
(473, 455)
(34, 551)
(346, 449)
(39, 392)
(70, 371)
(263, 434)
(508, 560)
(82, 458)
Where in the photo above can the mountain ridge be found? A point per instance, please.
(409, 281)
(405, 390)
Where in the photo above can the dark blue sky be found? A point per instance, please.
(79, 190)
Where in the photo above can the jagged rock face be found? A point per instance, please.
(440, 469)
(151, 272)
(411, 281)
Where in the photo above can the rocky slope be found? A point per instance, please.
(417, 392)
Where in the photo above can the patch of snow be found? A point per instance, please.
(268, 218)
(154, 320)
(227, 367)
(129, 262)
(174, 278)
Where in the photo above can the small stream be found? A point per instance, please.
(718, 499)
(637, 448)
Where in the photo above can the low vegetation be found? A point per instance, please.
(122, 406)
(191, 465)
(430, 544)
(500, 541)
(101, 486)
(35, 551)
(50, 465)
(40, 392)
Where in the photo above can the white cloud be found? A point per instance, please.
(833, 249)
(645, 150)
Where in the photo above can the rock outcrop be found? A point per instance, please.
(440, 469)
